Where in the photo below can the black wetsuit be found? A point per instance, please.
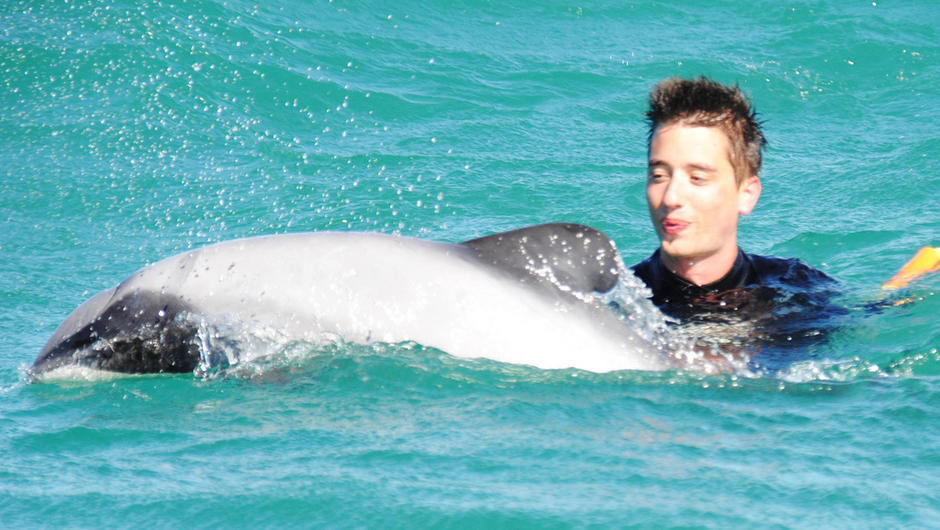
(782, 301)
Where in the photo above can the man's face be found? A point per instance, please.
(692, 194)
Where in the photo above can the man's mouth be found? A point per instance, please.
(674, 226)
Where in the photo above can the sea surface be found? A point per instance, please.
(131, 131)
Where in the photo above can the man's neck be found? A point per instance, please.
(702, 271)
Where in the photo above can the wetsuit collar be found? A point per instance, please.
(741, 274)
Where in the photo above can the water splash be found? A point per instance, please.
(695, 348)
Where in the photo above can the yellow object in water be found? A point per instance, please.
(926, 260)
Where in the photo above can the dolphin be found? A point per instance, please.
(529, 296)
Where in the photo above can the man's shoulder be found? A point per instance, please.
(788, 271)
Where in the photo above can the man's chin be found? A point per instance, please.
(676, 250)
(679, 253)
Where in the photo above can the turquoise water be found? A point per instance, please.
(133, 131)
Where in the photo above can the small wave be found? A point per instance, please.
(75, 373)
(913, 364)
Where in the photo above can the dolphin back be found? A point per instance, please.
(505, 296)
(569, 256)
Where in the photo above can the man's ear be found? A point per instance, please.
(748, 194)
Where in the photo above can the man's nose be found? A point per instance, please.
(674, 192)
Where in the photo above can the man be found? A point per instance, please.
(704, 158)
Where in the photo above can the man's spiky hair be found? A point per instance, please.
(702, 102)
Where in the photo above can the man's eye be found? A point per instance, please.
(698, 179)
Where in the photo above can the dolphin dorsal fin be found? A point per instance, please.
(570, 256)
